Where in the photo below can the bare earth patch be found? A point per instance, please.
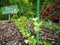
(9, 34)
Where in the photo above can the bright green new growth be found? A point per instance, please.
(21, 22)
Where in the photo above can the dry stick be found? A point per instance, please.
(59, 20)
(58, 10)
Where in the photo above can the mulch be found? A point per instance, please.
(9, 34)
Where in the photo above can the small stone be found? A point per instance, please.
(26, 41)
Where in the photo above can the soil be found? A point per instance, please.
(51, 36)
(9, 34)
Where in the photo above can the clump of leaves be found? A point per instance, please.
(44, 3)
(20, 23)
(50, 25)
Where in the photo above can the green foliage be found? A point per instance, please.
(50, 25)
(20, 23)
(44, 3)
(32, 40)
(26, 7)
(46, 43)
(3, 17)
(27, 10)
(14, 17)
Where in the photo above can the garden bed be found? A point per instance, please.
(51, 36)
(9, 34)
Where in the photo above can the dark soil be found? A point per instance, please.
(51, 36)
(9, 34)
